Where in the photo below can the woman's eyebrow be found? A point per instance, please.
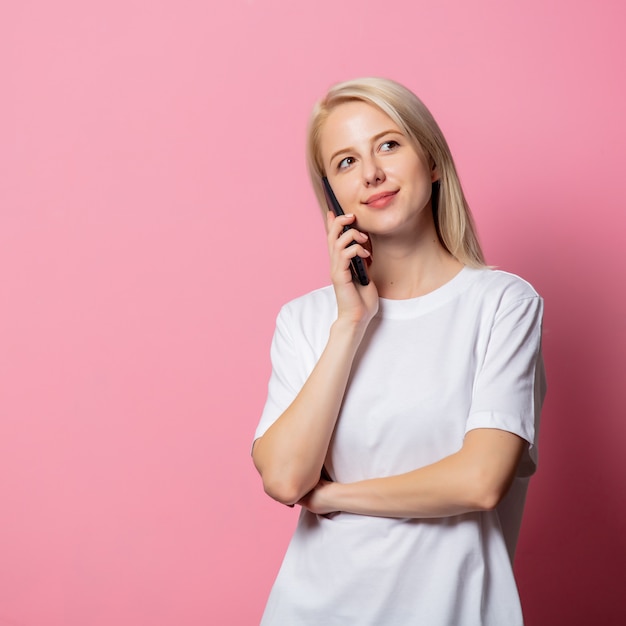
(375, 138)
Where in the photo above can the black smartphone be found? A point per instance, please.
(357, 264)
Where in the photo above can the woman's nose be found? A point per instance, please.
(373, 173)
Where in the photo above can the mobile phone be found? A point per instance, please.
(357, 264)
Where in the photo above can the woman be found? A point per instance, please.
(401, 415)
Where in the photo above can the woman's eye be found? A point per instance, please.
(389, 145)
(345, 163)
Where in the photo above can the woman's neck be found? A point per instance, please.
(408, 271)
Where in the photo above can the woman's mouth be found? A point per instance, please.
(381, 200)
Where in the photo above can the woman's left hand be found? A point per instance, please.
(319, 499)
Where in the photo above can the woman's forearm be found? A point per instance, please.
(473, 479)
(290, 455)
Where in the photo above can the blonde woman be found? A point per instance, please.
(401, 415)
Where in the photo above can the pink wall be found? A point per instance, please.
(155, 213)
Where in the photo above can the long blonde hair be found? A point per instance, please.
(453, 219)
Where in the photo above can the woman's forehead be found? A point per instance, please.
(354, 121)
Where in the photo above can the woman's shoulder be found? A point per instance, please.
(497, 291)
(493, 279)
(318, 307)
(317, 299)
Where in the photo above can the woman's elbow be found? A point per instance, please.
(277, 482)
(488, 500)
(287, 481)
(282, 491)
(486, 493)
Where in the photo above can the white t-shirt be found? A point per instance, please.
(428, 370)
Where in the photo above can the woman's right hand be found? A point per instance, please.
(356, 304)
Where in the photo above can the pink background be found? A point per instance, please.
(154, 215)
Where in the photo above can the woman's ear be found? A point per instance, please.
(434, 172)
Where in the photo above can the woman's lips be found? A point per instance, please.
(380, 200)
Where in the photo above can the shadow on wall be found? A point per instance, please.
(570, 561)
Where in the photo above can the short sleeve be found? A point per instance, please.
(286, 379)
(510, 384)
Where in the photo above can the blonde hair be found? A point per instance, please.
(453, 219)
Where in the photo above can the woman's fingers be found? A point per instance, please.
(350, 243)
(349, 237)
(355, 302)
(336, 223)
(343, 254)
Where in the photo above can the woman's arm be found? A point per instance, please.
(475, 478)
(290, 455)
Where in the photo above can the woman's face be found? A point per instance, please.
(375, 171)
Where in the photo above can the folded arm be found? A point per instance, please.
(475, 478)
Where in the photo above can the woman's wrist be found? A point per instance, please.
(347, 328)
(330, 498)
